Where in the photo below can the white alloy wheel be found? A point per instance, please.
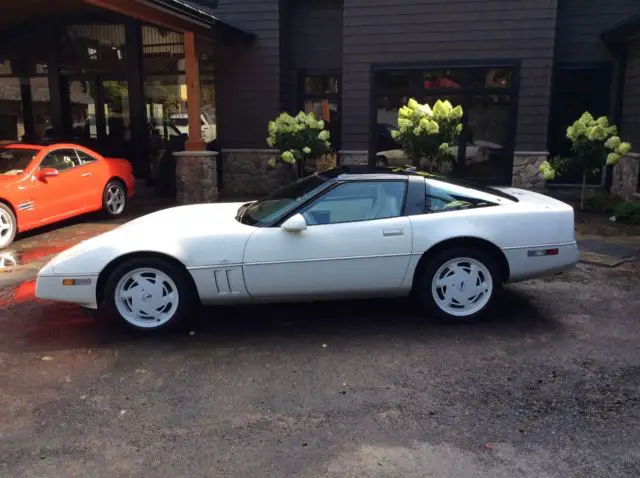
(462, 286)
(7, 227)
(146, 298)
(115, 199)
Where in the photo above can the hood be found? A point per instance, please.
(214, 218)
(158, 231)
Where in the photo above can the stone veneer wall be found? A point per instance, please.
(196, 177)
(526, 170)
(245, 173)
(625, 176)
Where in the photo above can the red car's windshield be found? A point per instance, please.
(13, 161)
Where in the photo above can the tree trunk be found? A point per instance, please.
(584, 188)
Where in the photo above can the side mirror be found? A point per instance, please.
(48, 173)
(295, 223)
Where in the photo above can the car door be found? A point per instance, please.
(94, 174)
(58, 196)
(357, 241)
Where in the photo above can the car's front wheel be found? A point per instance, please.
(8, 226)
(114, 199)
(149, 294)
(459, 284)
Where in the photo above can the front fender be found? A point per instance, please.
(92, 256)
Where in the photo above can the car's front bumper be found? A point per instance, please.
(524, 264)
(80, 289)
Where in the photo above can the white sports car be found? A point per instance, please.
(348, 232)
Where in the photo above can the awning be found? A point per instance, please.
(204, 14)
(622, 32)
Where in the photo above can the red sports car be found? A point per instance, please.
(41, 185)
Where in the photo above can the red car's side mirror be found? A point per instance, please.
(48, 173)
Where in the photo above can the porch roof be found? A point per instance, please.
(205, 14)
(623, 31)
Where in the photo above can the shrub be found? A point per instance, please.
(627, 212)
(594, 143)
(298, 138)
(425, 132)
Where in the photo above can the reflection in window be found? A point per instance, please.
(442, 79)
(320, 96)
(487, 148)
(488, 133)
(82, 94)
(319, 85)
(85, 45)
(12, 109)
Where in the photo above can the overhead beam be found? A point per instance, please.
(155, 14)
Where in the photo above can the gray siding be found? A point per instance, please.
(317, 34)
(449, 30)
(631, 97)
(248, 76)
(580, 23)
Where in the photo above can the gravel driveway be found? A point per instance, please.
(549, 387)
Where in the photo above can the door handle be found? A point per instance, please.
(392, 232)
(84, 175)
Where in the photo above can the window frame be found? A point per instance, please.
(304, 208)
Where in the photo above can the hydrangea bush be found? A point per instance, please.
(594, 143)
(426, 132)
(298, 138)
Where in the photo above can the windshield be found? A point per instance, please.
(14, 161)
(281, 202)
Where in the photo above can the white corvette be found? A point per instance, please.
(347, 232)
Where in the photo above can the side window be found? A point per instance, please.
(443, 197)
(357, 201)
(85, 158)
(61, 159)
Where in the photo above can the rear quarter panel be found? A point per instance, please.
(513, 228)
(121, 168)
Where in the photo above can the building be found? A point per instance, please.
(522, 70)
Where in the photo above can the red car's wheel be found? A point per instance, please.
(8, 226)
(114, 199)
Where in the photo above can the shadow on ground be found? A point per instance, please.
(29, 325)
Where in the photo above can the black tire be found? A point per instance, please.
(186, 294)
(423, 290)
(8, 226)
(112, 185)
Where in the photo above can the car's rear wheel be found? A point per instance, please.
(8, 226)
(149, 294)
(459, 284)
(114, 199)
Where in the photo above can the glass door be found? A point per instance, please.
(117, 116)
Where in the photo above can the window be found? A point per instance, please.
(61, 160)
(486, 94)
(320, 94)
(85, 158)
(444, 197)
(14, 161)
(280, 203)
(357, 201)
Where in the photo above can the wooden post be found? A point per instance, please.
(195, 142)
